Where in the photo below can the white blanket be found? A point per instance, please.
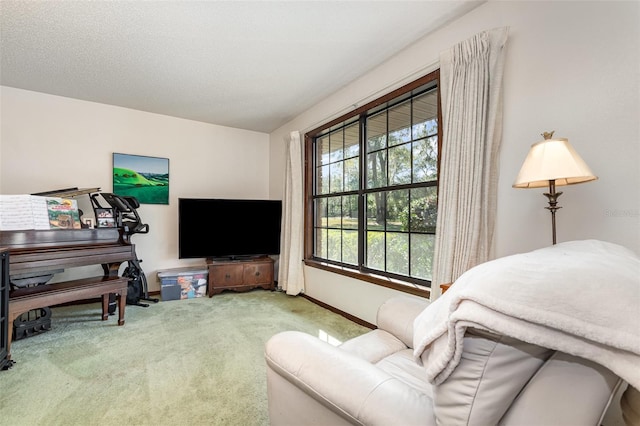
(579, 297)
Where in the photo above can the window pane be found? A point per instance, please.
(352, 174)
(424, 209)
(321, 243)
(387, 155)
(397, 210)
(400, 124)
(400, 164)
(352, 141)
(377, 169)
(425, 160)
(350, 212)
(336, 140)
(422, 255)
(336, 176)
(425, 115)
(375, 250)
(376, 132)
(334, 212)
(322, 180)
(376, 210)
(398, 253)
(350, 247)
(322, 151)
(321, 212)
(334, 243)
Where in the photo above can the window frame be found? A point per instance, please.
(385, 279)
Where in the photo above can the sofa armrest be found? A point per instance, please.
(345, 384)
(397, 315)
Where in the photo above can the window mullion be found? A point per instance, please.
(342, 200)
(362, 205)
(409, 192)
(386, 193)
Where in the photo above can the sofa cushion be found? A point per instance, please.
(403, 366)
(374, 345)
(565, 381)
(492, 371)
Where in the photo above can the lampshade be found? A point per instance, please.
(553, 159)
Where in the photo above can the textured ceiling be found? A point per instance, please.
(247, 64)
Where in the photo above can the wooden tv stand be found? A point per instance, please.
(240, 275)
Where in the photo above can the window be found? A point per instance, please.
(371, 186)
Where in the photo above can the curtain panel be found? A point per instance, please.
(471, 90)
(290, 271)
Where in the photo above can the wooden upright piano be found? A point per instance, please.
(35, 253)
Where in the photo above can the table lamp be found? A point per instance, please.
(552, 162)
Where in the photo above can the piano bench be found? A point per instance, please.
(27, 298)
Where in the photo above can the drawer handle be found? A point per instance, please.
(257, 273)
(227, 276)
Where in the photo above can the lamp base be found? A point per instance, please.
(552, 195)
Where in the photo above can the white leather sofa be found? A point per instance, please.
(374, 379)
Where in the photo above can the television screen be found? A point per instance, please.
(223, 228)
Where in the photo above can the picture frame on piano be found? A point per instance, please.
(104, 218)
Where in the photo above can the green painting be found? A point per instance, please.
(146, 178)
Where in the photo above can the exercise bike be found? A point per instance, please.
(127, 218)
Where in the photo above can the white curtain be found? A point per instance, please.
(291, 272)
(471, 91)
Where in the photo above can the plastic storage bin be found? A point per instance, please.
(183, 283)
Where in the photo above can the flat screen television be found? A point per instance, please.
(224, 228)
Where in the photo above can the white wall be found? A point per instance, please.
(51, 142)
(571, 67)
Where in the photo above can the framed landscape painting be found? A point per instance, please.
(146, 178)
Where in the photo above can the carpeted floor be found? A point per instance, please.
(187, 362)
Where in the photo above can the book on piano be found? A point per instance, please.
(26, 212)
(63, 213)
